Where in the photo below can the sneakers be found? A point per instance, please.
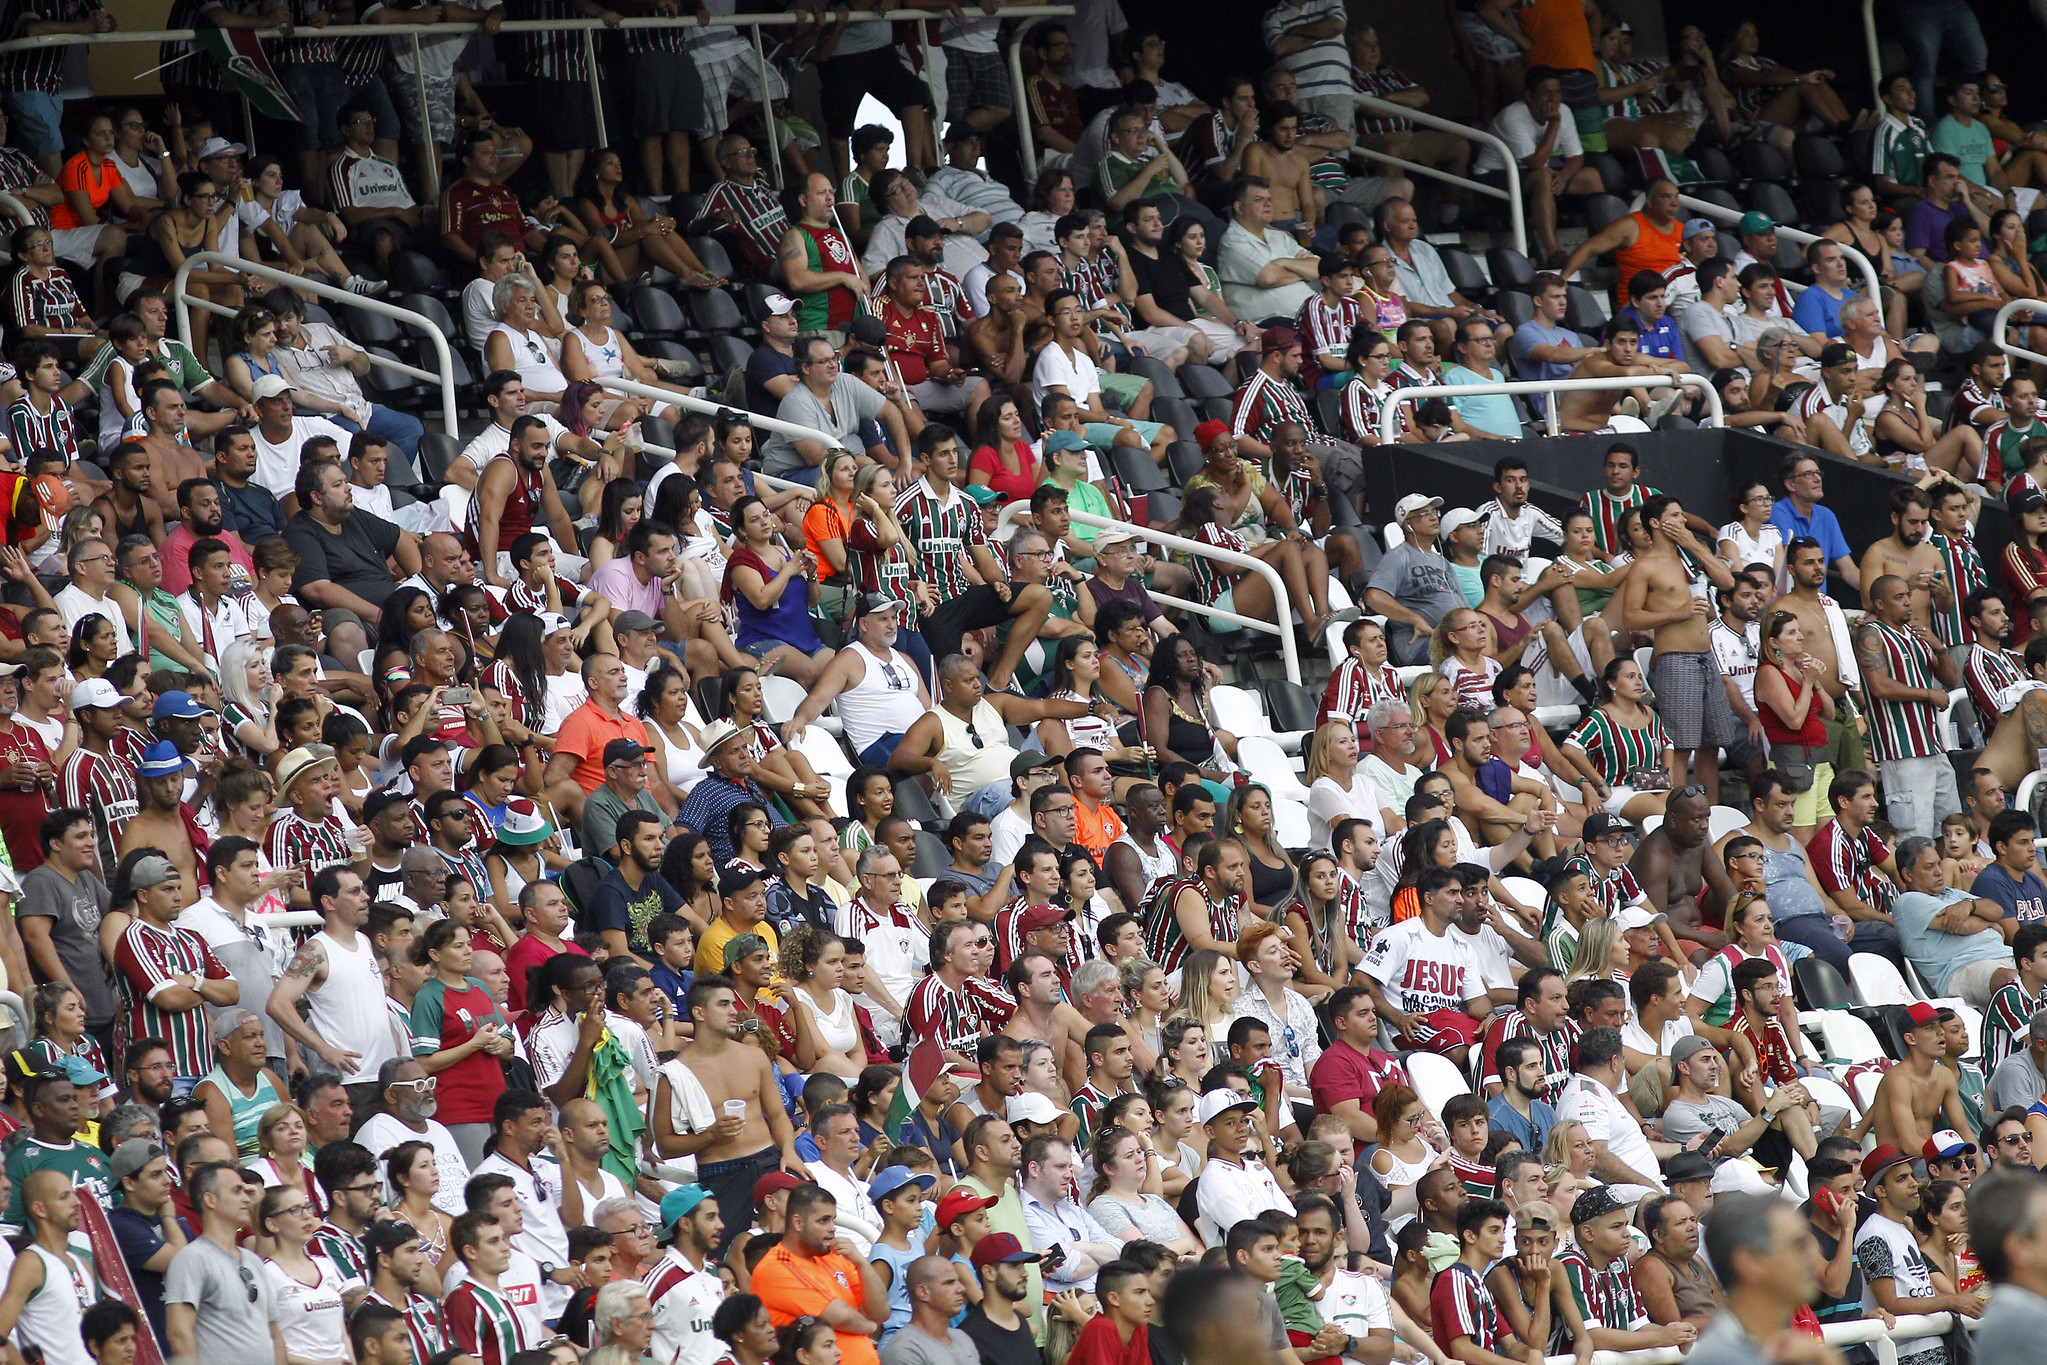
(1661, 408)
(356, 284)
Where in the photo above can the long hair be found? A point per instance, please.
(650, 695)
(1197, 1001)
(1318, 748)
(392, 632)
(1164, 662)
(521, 649)
(1062, 663)
(234, 677)
(1440, 647)
(1417, 849)
(678, 863)
(611, 517)
(825, 471)
(1104, 1151)
(81, 640)
(571, 409)
(1595, 950)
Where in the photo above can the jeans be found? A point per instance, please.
(401, 429)
(1918, 793)
(1816, 933)
(1929, 28)
(319, 91)
(1406, 646)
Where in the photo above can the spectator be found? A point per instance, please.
(1265, 273)
(1550, 158)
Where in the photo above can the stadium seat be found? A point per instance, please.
(1436, 1080)
(1204, 381)
(1877, 981)
(913, 802)
(413, 272)
(1761, 161)
(1724, 820)
(1289, 705)
(1176, 413)
(711, 252)
(712, 310)
(657, 313)
(1463, 269)
(1776, 201)
(780, 698)
(932, 855)
(437, 450)
(1846, 1038)
(1135, 469)
(1865, 1084)
(1290, 825)
(367, 328)
(1583, 314)
(1509, 269)
(825, 753)
(1164, 384)
(1265, 761)
(1526, 890)
(1602, 209)
(1183, 459)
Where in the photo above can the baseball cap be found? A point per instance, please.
(957, 1204)
(732, 881)
(1413, 503)
(381, 800)
(1064, 440)
(1596, 1202)
(94, 692)
(1880, 1160)
(678, 1204)
(983, 494)
(1109, 540)
(81, 1072)
(270, 386)
(131, 1156)
(892, 1178)
(1634, 917)
(1221, 1101)
(161, 759)
(634, 620)
(1028, 759)
(743, 946)
(623, 751)
(1946, 1145)
(552, 621)
(152, 871)
(228, 1020)
(1601, 823)
(1279, 339)
(772, 306)
(1699, 227)
(1333, 263)
(1000, 1246)
(773, 1182)
(1209, 432)
(2023, 500)
(1741, 1175)
(176, 706)
(1755, 221)
(1456, 518)
(220, 146)
(1688, 1047)
(1835, 353)
(1031, 1107)
(1043, 917)
(1922, 1014)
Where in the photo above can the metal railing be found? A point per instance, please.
(2004, 315)
(1282, 607)
(1517, 225)
(1389, 412)
(1720, 213)
(635, 389)
(1863, 1331)
(1873, 51)
(589, 28)
(446, 377)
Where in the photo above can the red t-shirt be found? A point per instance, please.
(1099, 1343)
(22, 812)
(526, 954)
(1016, 487)
(1344, 1073)
(916, 341)
(445, 1017)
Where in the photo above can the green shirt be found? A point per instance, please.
(180, 366)
(1971, 146)
(601, 814)
(86, 1167)
(1900, 150)
(1119, 170)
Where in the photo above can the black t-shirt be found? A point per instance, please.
(385, 886)
(352, 558)
(999, 1347)
(1167, 281)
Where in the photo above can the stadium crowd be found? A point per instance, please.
(764, 882)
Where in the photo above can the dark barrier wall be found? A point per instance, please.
(1700, 468)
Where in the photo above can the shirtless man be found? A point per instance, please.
(1493, 822)
(1041, 1008)
(738, 1149)
(1658, 598)
(1276, 156)
(1806, 562)
(1906, 553)
(159, 821)
(1592, 409)
(998, 337)
(1674, 871)
(1918, 1090)
(171, 459)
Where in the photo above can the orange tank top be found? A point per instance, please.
(1559, 34)
(1655, 248)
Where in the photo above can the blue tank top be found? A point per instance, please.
(1784, 885)
(898, 1263)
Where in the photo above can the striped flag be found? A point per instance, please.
(241, 55)
(925, 1064)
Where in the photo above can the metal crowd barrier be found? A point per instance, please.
(1720, 213)
(1517, 225)
(1415, 393)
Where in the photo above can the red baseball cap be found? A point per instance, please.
(1038, 917)
(1000, 1246)
(769, 1183)
(1921, 1014)
(958, 1203)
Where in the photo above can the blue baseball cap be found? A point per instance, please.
(678, 1204)
(892, 1178)
(1064, 440)
(80, 1072)
(176, 705)
(161, 759)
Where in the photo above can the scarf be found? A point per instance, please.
(1440, 1251)
(610, 1087)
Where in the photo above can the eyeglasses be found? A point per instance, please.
(1689, 789)
(421, 1085)
(371, 1188)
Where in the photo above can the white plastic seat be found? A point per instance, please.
(1827, 1093)
(1266, 762)
(1527, 890)
(1435, 1079)
(1973, 1017)
(1722, 821)
(2028, 785)
(1848, 1039)
(1239, 711)
(1290, 824)
(1876, 980)
(1866, 1083)
(825, 753)
(781, 698)
(1407, 673)
(1651, 824)
(1958, 696)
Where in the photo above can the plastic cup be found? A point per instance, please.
(735, 1109)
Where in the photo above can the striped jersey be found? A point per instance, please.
(884, 569)
(1614, 891)
(2005, 1019)
(1384, 82)
(1263, 403)
(958, 1019)
(51, 302)
(344, 1248)
(484, 1323)
(751, 214)
(199, 73)
(1849, 862)
(308, 46)
(945, 530)
(1360, 922)
(1971, 397)
(1461, 1306)
(1324, 328)
(40, 68)
(1987, 674)
(151, 956)
(1480, 1182)
(1618, 750)
(1212, 578)
(1362, 405)
(467, 864)
(103, 787)
(1965, 574)
(1606, 1295)
(1903, 729)
(1299, 491)
(1715, 983)
(17, 172)
(549, 54)
(500, 674)
(1163, 936)
(1354, 689)
(295, 840)
(422, 1320)
(1607, 510)
(1556, 1050)
(35, 429)
(1900, 149)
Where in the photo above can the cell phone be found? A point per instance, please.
(458, 696)
(1713, 1136)
(1827, 1199)
(1052, 1259)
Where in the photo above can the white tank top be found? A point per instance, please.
(607, 360)
(49, 1320)
(349, 1009)
(884, 701)
(972, 765)
(532, 359)
(1157, 867)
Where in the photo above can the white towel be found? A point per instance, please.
(689, 1111)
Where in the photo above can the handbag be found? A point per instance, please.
(1797, 771)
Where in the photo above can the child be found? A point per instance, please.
(590, 1250)
(1972, 292)
(961, 1221)
(1959, 860)
(1298, 1291)
(1465, 1118)
(539, 588)
(1326, 322)
(1535, 1234)
(120, 387)
(674, 944)
(947, 901)
(2016, 1002)
(898, 1195)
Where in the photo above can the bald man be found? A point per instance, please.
(444, 563)
(929, 1338)
(342, 680)
(52, 1204)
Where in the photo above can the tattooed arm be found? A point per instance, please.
(307, 972)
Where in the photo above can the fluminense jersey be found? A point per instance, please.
(1903, 729)
(1163, 936)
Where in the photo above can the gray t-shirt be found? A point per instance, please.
(853, 401)
(1703, 319)
(2015, 1082)
(1683, 1121)
(1419, 580)
(234, 1299)
(75, 909)
(2013, 1327)
(915, 1346)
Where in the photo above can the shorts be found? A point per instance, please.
(75, 244)
(1160, 340)
(1120, 389)
(1692, 702)
(731, 1184)
(1493, 47)
(725, 77)
(948, 398)
(1102, 435)
(1811, 807)
(1441, 1030)
(440, 106)
(978, 606)
(38, 121)
(319, 92)
(848, 80)
(571, 124)
(332, 618)
(1226, 600)
(1971, 980)
(667, 96)
(976, 80)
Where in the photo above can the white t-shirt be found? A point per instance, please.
(75, 605)
(1491, 955)
(1887, 1250)
(1737, 656)
(1749, 549)
(277, 463)
(1606, 1120)
(310, 1316)
(543, 1237)
(1637, 1037)
(1009, 831)
(1356, 1303)
(1329, 805)
(1075, 374)
(494, 440)
(1517, 127)
(565, 692)
(384, 1132)
(1421, 972)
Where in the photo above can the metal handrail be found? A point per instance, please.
(1027, 142)
(634, 388)
(1517, 225)
(1861, 1331)
(1282, 607)
(18, 208)
(1997, 328)
(1873, 51)
(446, 377)
(589, 29)
(1721, 213)
(1415, 393)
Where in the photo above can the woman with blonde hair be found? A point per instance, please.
(1602, 953)
(1336, 792)
(1209, 987)
(249, 719)
(1150, 995)
(1431, 699)
(826, 524)
(1567, 1157)
(1125, 1197)
(1184, 1057)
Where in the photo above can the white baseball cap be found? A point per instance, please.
(1413, 503)
(1221, 1101)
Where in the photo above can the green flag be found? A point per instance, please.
(241, 55)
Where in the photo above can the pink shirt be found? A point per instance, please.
(176, 552)
(617, 582)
